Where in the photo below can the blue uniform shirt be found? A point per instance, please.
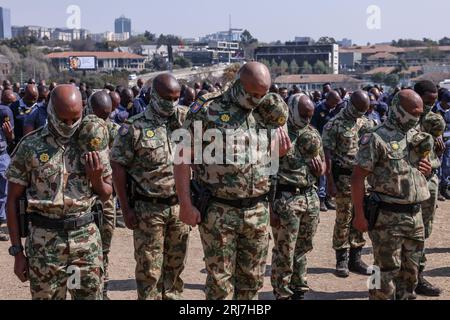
(322, 115)
(5, 115)
(37, 118)
(20, 111)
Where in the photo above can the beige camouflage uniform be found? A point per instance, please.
(144, 148)
(58, 188)
(398, 237)
(298, 213)
(235, 240)
(341, 137)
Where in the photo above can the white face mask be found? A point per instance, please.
(62, 129)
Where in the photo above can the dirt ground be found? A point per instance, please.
(324, 285)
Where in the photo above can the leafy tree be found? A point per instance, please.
(320, 68)
(391, 80)
(293, 67)
(326, 40)
(307, 68)
(378, 77)
(182, 62)
(283, 67)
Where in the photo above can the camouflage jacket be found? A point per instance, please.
(144, 147)
(113, 129)
(56, 183)
(243, 178)
(341, 136)
(387, 154)
(295, 169)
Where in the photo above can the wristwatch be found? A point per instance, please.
(15, 250)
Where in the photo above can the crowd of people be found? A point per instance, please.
(80, 157)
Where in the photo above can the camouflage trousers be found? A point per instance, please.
(398, 242)
(345, 236)
(235, 243)
(65, 261)
(160, 249)
(428, 213)
(107, 231)
(299, 218)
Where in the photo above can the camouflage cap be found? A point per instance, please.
(93, 134)
(274, 110)
(434, 124)
(422, 143)
(310, 144)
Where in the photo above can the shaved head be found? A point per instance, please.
(167, 87)
(126, 97)
(101, 104)
(306, 107)
(255, 78)
(31, 95)
(360, 99)
(411, 102)
(8, 97)
(66, 100)
(115, 99)
(333, 99)
(189, 96)
(375, 92)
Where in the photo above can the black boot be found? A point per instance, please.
(356, 264)
(298, 295)
(342, 263)
(425, 288)
(330, 205)
(323, 207)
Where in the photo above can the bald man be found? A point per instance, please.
(341, 137)
(61, 179)
(38, 117)
(398, 186)
(189, 97)
(22, 109)
(296, 207)
(235, 248)
(142, 158)
(126, 105)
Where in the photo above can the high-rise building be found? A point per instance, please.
(5, 23)
(122, 25)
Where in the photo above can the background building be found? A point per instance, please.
(106, 61)
(5, 23)
(5, 67)
(122, 25)
(301, 53)
(315, 81)
(232, 35)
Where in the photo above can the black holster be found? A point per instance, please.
(97, 211)
(200, 198)
(24, 219)
(372, 209)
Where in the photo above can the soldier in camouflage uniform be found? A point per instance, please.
(101, 105)
(297, 206)
(235, 231)
(340, 139)
(400, 187)
(63, 169)
(433, 124)
(144, 150)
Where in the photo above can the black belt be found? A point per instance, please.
(400, 208)
(241, 203)
(292, 189)
(172, 201)
(70, 224)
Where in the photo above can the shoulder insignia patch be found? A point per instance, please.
(197, 105)
(123, 131)
(328, 126)
(44, 158)
(225, 118)
(395, 146)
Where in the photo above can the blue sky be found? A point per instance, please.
(268, 20)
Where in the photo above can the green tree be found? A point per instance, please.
(307, 68)
(266, 63)
(182, 62)
(274, 68)
(326, 40)
(293, 67)
(378, 77)
(150, 36)
(248, 44)
(391, 80)
(284, 67)
(320, 68)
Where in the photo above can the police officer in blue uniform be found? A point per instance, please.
(22, 108)
(325, 111)
(6, 138)
(38, 117)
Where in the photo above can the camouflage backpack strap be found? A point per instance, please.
(204, 100)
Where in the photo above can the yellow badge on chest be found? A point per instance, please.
(44, 158)
(281, 121)
(395, 146)
(95, 143)
(225, 118)
(150, 134)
